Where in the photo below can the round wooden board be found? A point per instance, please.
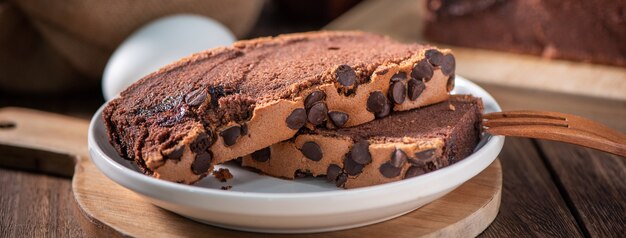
(109, 209)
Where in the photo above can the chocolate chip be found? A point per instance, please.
(414, 171)
(398, 158)
(338, 118)
(376, 101)
(202, 162)
(216, 93)
(341, 180)
(302, 174)
(448, 64)
(231, 135)
(450, 84)
(422, 157)
(398, 77)
(314, 97)
(416, 162)
(430, 166)
(296, 119)
(201, 143)
(332, 172)
(397, 92)
(434, 57)
(317, 113)
(196, 97)
(360, 152)
(262, 155)
(426, 155)
(385, 112)
(244, 129)
(352, 168)
(238, 160)
(388, 170)
(311, 151)
(299, 174)
(415, 88)
(174, 153)
(345, 75)
(422, 70)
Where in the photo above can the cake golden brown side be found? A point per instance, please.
(403, 145)
(228, 102)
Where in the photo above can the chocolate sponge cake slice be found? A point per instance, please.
(403, 145)
(227, 102)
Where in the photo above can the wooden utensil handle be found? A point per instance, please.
(41, 141)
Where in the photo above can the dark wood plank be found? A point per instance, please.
(77, 104)
(593, 184)
(34, 205)
(531, 203)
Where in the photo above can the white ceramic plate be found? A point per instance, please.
(265, 204)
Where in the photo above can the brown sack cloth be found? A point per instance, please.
(57, 46)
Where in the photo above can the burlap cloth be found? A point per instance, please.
(63, 45)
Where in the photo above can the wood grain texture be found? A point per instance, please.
(531, 203)
(403, 21)
(109, 209)
(41, 141)
(593, 183)
(44, 131)
(36, 205)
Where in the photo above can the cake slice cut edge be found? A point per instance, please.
(221, 104)
(374, 153)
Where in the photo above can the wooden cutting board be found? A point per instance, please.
(57, 144)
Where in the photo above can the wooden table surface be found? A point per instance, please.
(549, 188)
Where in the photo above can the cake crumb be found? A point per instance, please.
(451, 107)
(222, 174)
(227, 187)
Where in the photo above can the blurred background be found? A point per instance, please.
(52, 56)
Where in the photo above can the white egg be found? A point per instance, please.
(159, 43)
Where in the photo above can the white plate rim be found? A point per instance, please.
(284, 212)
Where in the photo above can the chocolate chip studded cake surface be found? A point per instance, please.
(403, 145)
(228, 102)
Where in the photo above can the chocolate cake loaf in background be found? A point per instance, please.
(580, 30)
(228, 102)
(402, 145)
